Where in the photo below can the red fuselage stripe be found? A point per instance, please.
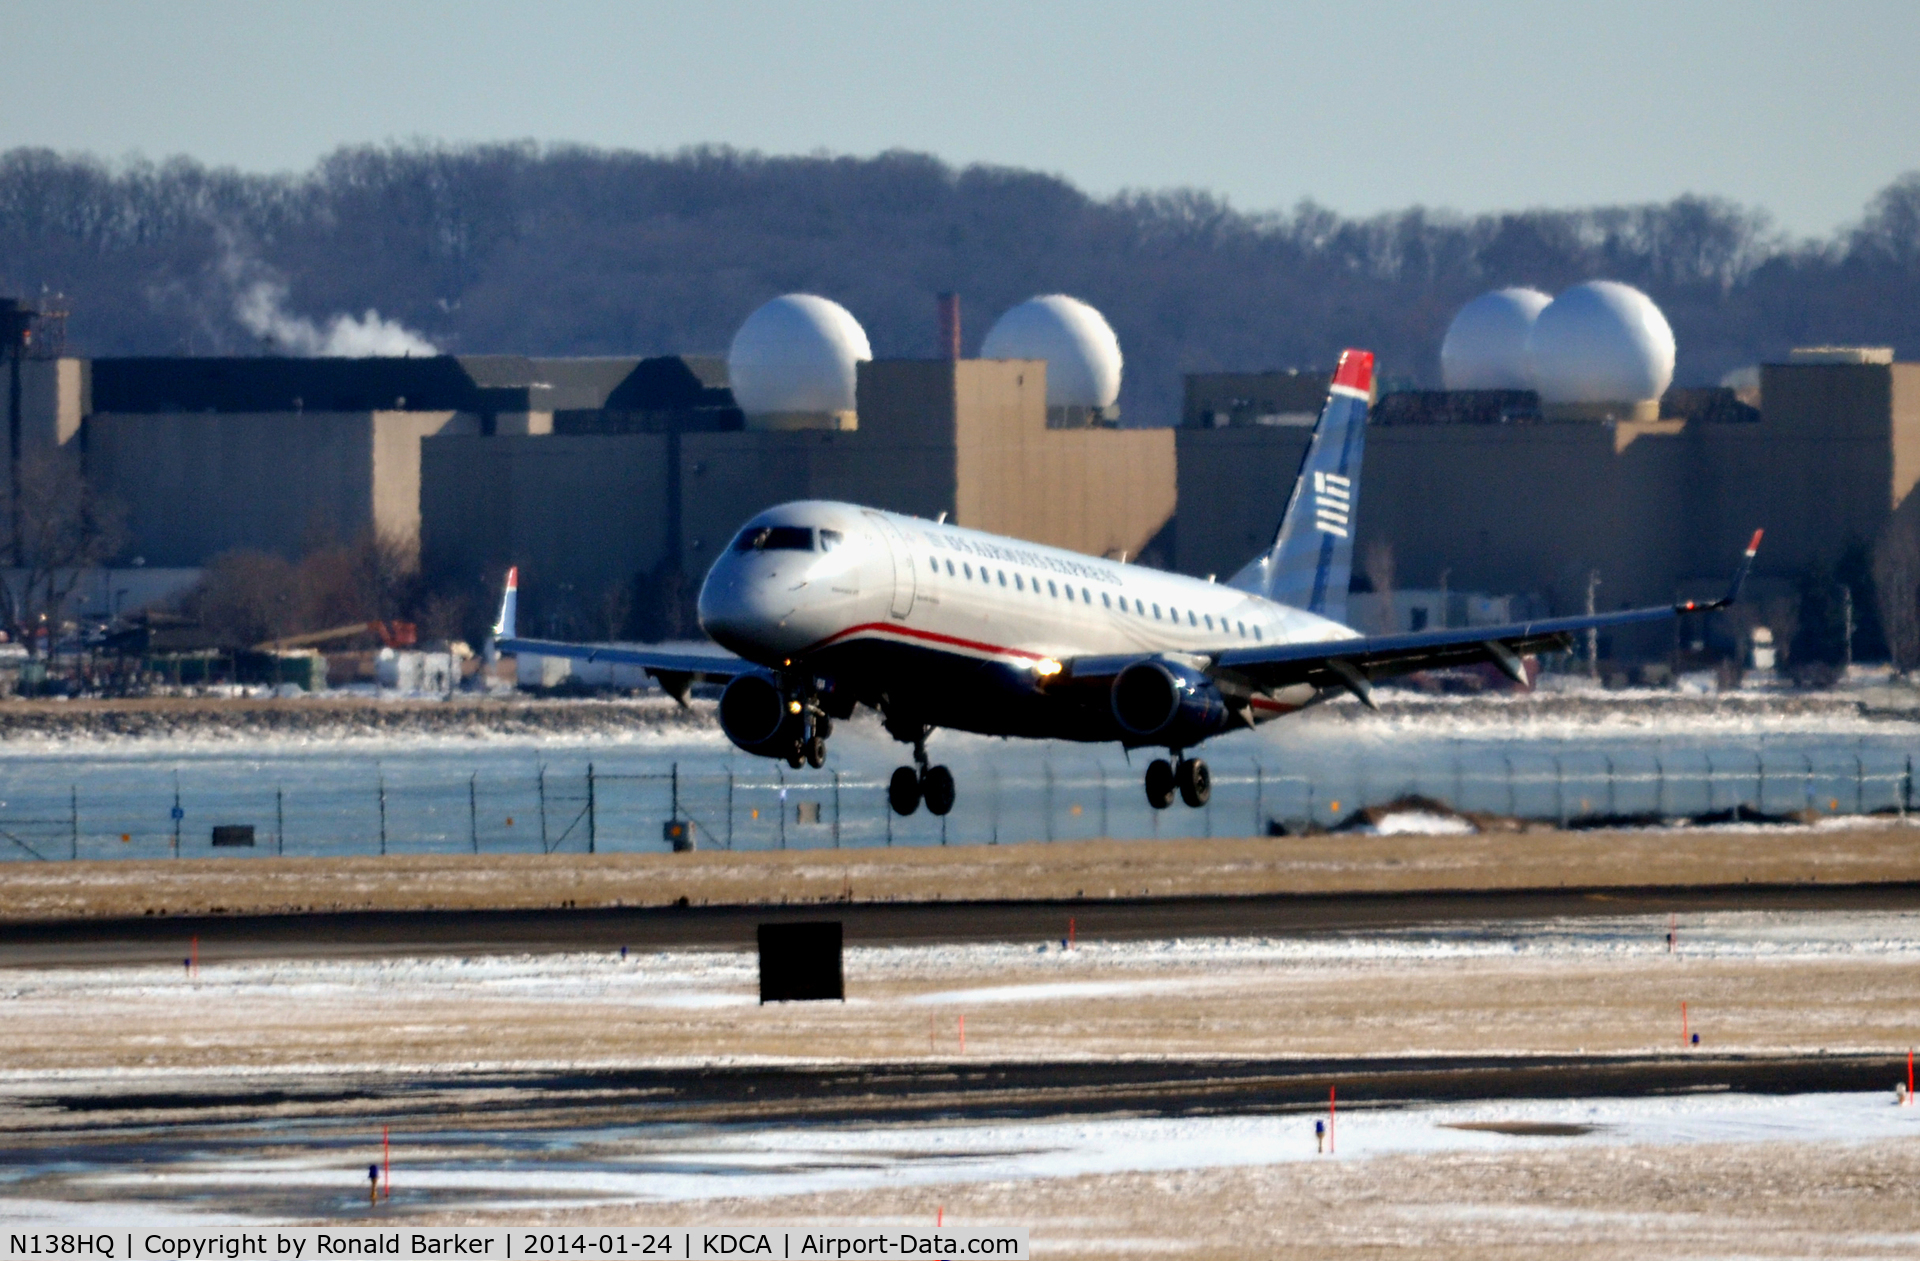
(930, 636)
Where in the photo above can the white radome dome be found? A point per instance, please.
(1601, 342)
(796, 355)
(1486, 345)
(1082, 354)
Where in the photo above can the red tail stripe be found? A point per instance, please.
(1355, 370)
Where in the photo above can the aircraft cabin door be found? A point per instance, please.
(905, 585)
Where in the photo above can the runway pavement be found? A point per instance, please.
(93, 942)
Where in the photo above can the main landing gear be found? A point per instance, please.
(1188, 776)
(811, 748)
(912, 785)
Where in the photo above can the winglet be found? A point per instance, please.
(509, 606)
(1733, 591)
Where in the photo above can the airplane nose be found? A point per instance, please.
(743, 610)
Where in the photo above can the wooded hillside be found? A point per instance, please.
(562, 251)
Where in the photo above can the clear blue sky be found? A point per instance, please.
(1804, 109)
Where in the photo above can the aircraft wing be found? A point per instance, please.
(1353, 664)
(699, 665)
(675, 670)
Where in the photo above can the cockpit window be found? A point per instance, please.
(778, 538)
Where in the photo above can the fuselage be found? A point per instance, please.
(965, 629)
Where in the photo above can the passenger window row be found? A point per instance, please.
(1086, 596)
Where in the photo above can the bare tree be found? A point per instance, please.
(443, 615)
(386, 571)
(60, 527)
(247, 597)
(1896, 579)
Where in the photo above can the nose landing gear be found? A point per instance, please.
(931, 784)
(1187, 776)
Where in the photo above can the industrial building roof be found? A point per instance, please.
(467, 383)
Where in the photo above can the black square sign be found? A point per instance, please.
(801, 963)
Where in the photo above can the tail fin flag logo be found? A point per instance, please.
(1332, 503)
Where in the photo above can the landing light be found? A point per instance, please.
(793, 707)
(1047, 668)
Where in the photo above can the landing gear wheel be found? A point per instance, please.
(903, 791)
(1159, 783)
(1195, 782)
(822, 727)
(817, 752)
(796, 755)
(937, 787)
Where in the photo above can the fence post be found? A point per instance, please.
(1612, 809)
(473, 810)
(543, 809)
(178, 814)
(780, 777)
(1513, 803)
(593, 820)
(279, 821)
(1259, 800)
(1046, 769)
(675, 774)
(1106, 829)
(1906, 789)
(993, 770)
(383, 814)
(729, 809)
(73, 821)
(1806, 782)
(1560, 792)
(836, 809)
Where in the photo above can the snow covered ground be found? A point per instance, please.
(633, 1166)
(1764, 982)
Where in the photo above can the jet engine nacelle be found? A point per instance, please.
(1163, 702)
(759, 716)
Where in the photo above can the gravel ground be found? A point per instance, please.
(1838, 852)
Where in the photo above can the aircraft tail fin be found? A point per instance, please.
(1311, 560)
(509, 607)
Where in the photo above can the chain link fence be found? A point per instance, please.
(1051, 799)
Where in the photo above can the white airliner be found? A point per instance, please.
(833, 605)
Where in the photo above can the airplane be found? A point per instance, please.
(826, 606)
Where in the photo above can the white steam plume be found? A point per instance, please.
(262, 308)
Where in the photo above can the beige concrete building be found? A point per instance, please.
(586, 515)
(198, 484)
(965, 437)
(55, 396)
(581, 512)
(1659, 509)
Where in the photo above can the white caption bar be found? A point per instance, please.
(681, 1243)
